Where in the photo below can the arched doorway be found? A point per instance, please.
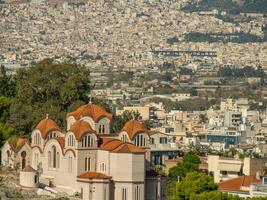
(23, 159)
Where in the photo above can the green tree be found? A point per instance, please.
(48, 87)
(177, 173)
(120, 120)
(4, 108)
(189, 164)
(7, 84)
(214, 195)
(5, 133)
(195, 183)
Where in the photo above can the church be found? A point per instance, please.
(87, 158)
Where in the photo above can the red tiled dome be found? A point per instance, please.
(91, 110)
(79, 128)
(47, 125)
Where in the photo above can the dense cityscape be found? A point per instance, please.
(133, 100)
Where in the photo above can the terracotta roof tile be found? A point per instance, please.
(47, 125)
(79, 128)
(133, 127)
(17, 143)
(236, 184)
(61, 141)
(93, 175)
(92, 110)
(117, 146)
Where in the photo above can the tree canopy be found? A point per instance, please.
(189, 164)
(195, 183)
(7, 92)
(48, 87)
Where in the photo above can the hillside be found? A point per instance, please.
(230, 6)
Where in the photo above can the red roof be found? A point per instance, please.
(61, 141)
(47, 125)
(236, 184)
(117, 146)
(17, 143)
(91, 110)
(133, 127)
(93, 175)
(80, 127)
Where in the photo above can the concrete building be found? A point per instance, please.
(144, 111)
(224, 169)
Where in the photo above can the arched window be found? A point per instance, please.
(100, 129)
(36, 160)
(137, 140)
(49, 159)
(58, 160)
(54, 157)
(71, 141)
(36, 138)
(137, 192)
(87, 141)
(70, 164)
(87, 164)
(102, 167)
(103, 128)
(124, 138)
(124, 194)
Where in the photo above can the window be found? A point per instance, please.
(105, 193)
(35, 179)
(163, 140)
(124, 138)
(137, 193)
(36, 160)
(224, 172)
(87, 164)
(58, 160)
(81, 193)
(140, 141)
(124, 194)
(36, 138)
(101, 128)
(70, 164)
(102, 167)
(152, 141)
(49, 159)
(52, 135)
(87, 141)
(54, 157)
(71, 141)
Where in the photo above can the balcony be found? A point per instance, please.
(164, 147)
